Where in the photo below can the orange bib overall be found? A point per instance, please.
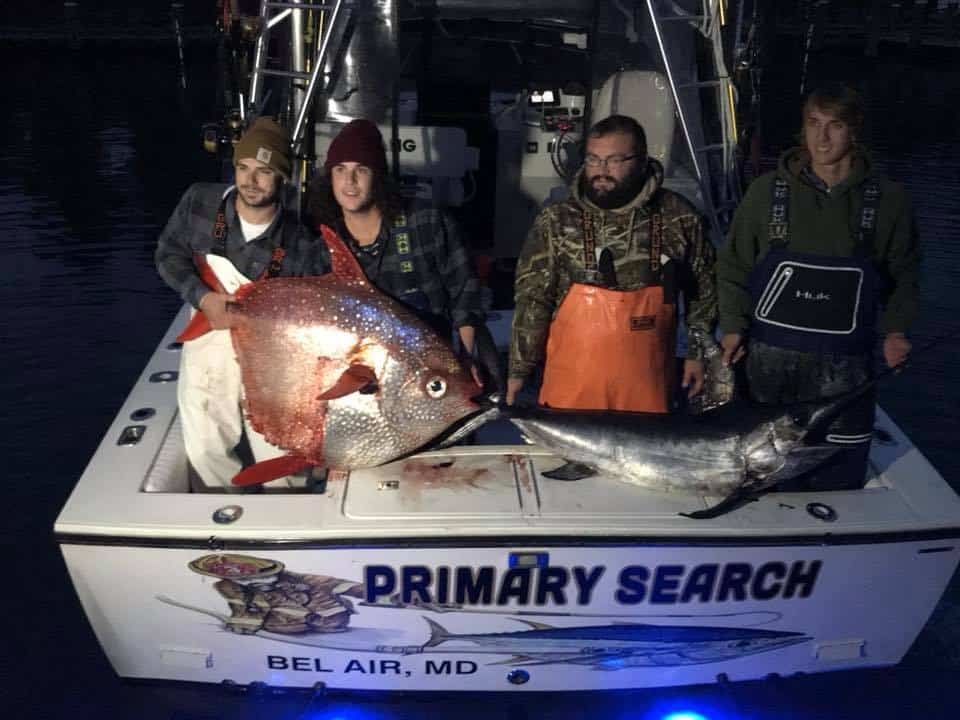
(612, 349)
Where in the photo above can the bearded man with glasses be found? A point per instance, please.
(598, 282)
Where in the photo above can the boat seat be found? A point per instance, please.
(645, 96)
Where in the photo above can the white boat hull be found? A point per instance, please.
(465, 569)
(649, 615)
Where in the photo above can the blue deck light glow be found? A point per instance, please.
(685, 716)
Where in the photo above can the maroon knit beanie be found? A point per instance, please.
(358, 141)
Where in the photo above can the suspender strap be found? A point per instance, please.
(220, 241)
(220, 229)
(780, 214)
(591, 271)
(868, 215)
(779, 211)
(656, 235)
(402, 245)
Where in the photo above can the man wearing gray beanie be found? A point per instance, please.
(243, 232)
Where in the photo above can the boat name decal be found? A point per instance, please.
(555, 585)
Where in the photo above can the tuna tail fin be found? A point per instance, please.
(344, 264)
(199, 325)
(438, 633)
(272, 469)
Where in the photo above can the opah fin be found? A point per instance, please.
(207, 274)
(570, 471)
(355, 378)
(198, 325)
(344, 264)
(272, 469)
(736, 499)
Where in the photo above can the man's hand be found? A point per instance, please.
(513, 387)
(733, 350)
(214, 306)
(896, 347)
(693, 376)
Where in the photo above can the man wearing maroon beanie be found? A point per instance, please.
(411, 251)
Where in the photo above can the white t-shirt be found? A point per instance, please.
(252, 231)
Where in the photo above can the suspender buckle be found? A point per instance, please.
(778, 231)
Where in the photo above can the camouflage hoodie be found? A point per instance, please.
(552, 260)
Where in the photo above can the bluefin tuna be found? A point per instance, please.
(337, 373)
(735, 452)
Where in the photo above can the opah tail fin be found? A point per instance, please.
(344, 264)
(272, 469)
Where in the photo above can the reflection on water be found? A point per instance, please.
(96, 149)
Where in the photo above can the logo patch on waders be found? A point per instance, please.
(643, 322)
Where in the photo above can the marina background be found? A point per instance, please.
(98, 141)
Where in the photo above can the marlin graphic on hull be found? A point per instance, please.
(617, 646)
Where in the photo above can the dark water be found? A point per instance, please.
(97, 146)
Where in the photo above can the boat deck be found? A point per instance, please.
(470, 492)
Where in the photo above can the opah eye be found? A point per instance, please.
(436, 387)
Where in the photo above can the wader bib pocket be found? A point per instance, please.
(812, 298)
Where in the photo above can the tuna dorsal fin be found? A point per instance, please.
(438, 633)
(272, 469)
(354, 378)
(344, 264)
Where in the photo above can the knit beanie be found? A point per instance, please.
(358, 141)
(267, 142)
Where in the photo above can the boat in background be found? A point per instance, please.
(464, 569)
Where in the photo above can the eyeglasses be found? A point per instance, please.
(613, 161)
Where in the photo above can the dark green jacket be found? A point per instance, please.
(822, 223)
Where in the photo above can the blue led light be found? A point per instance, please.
(685, 716)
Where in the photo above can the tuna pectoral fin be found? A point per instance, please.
(733, 501)
(570, 471)
(355, 378)
(270, 470)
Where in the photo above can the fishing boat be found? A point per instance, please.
(464, 568)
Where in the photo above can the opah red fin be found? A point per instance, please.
(198, 325)
(353, 379)
(207, 274)
(344, 264)
(272, 469)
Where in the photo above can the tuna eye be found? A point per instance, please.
(436, 388)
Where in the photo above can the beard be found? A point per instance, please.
(255, 198)
(622, 192)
